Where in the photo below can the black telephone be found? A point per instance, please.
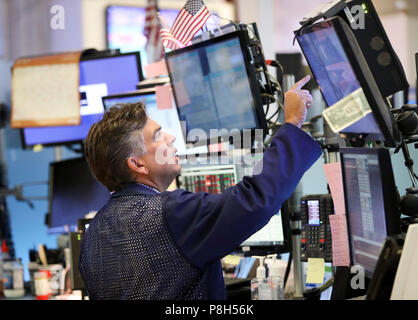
(316, 239)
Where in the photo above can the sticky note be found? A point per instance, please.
(37, 148)
(340, 246)
(316, 270)
(164, 96)
(156, 69)
(333, 172)
(232, 259)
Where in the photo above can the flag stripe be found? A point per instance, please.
(183, 24)
(190, 22)
(181, 34)
(199, 26)
(195, 26)
(169, 41)
(179, 21)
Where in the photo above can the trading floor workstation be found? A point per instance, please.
(218, 97)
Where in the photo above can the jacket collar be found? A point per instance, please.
(135, 188)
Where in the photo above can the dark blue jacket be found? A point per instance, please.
(149, 245)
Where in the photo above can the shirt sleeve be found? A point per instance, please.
(207, 226)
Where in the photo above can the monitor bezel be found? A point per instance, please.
(137, 54)
(389, 193)
(380, 108)
(257, 104)
(142, 92)
(372, 15)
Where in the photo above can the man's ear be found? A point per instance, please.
(136, 166)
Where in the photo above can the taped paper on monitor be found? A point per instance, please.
(164, 97)
(339, 233)
(347, 111)
(156, 69)
(334, 175)
(45, 91)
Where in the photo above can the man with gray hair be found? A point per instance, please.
(150, 243)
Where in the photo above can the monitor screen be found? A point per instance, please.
(98, 77)
(271, 234)
(313, 212)
(370, 200)
(335, 76)
(73, 193)
(167, 118)
(125, 28)
(215, 87)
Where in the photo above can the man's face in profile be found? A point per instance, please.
(160, 158)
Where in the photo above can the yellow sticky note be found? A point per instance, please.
(232, 259)
(37, 148)
(316, 270)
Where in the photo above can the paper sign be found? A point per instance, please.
(45, 91)
(316, 270)
(333, 172)
(156, 69)
(164, 95)
(339, 233)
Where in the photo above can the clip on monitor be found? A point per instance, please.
(371, 203)
(167, 118)
(337, 63)
(73, 193)
(99, 76)
(215, 87)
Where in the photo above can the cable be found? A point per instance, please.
(286, 275)
(279, 109)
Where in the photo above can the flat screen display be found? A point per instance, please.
(73, 193)
(212, 86)
(125, 28)
(335, 76)
(371, 201)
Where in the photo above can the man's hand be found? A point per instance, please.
(297, 102)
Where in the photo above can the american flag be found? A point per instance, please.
(189, 21)
(154, 48)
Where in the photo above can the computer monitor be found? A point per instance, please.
(371, 202)
(73, 193)
(99, 76)
(215, 87)
(374, 43)
(274, 237)
(339, 67)
(125, 28)
(167, 118)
